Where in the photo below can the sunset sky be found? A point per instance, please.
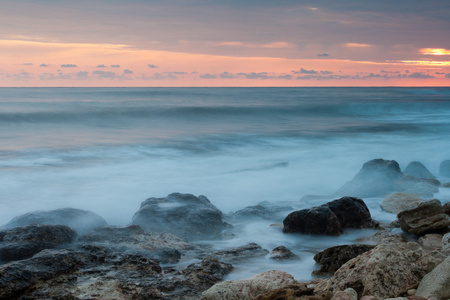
(224, 43)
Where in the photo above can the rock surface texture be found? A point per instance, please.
(330, 218)
(436, 284)
(427, 217)
(247, 289)
(396, 202)
(184, 215)
(81, 221)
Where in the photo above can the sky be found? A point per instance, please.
(60, 43)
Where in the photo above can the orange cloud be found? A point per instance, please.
(435, 51)
(357, 45)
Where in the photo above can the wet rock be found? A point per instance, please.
(184, 215)
(444, 168)
(265, 210)
(427, 217)
(249, 288)
(376, 178)
(387, 271)
(436, 284)
(241, 253)
(431, 241)
(418, 170)
(80, 220)
(17, 278)
(283, 253)
(24, 242)
(396, 202)
(297, 291)
(331, 259)
(330, 218)
(208, 272)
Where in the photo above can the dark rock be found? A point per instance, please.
(207, 273)
(427, 217)
(331, 259)
(241, 253)
(376, 178)
(24, 242)
(418, 170)
(264, 210)
(19, 277)
(184, 215)
(444, 168)
(330, 218)
(80, 220)
(283, 253)
(446, 208)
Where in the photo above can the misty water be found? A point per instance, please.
(106, 150)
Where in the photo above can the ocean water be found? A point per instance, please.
(108, 149)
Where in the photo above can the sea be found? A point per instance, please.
(106, 150)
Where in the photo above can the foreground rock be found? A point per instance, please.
(379, 177)
(427, 217)
(330, 218)
(250, 288)
(24, 242)
(184, 215)
(80, 220)
(418, 170)
(436, 284)
(396, 202)
(301, 290)
(331, 259)
(387, 271)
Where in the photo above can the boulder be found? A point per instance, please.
(331, 259)
(184, 215)
(396, 202)
(444, 168)
(431, 241)
(247, 289)
(330, 218)
(446, 208)
(427, 217)
(206, 273)
(24, 242)
(283, 253)
(80, 220)
(239, 254)
(376, 178)
(418, 170)
(347, 294)
(436, 284)
(299, 291)
(387, 271)
(265, 210)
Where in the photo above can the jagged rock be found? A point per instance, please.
(264, 210)
(331, 259)
(283, 253)
(184, 215)
(427, 217)
(80, 220)
(249, 288)
(299, 291)
(330, 218)
(376, 178)
(24, 242)
(444, 168)
(18, 277)
(396, 202)
(436, 284)
(241, 253)
(387, 271)
(418, 170)
(431, 241)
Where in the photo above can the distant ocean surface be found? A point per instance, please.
(108, 149)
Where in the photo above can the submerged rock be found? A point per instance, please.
(283, 253)
(444, 168)
(427, 217)
(80, 220)
(418, 170)
(396, 202)
(24, 242)
(331, 259)
(376, 178)
(330, 218)
(184, 215)
(265, 210)
(419, 186)
(247, 289)
(240, 253)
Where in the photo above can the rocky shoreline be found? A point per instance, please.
(74, 254)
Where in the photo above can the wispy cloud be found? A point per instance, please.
(68, 66)
(435, 51)
(152, 66)
(115, 66)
